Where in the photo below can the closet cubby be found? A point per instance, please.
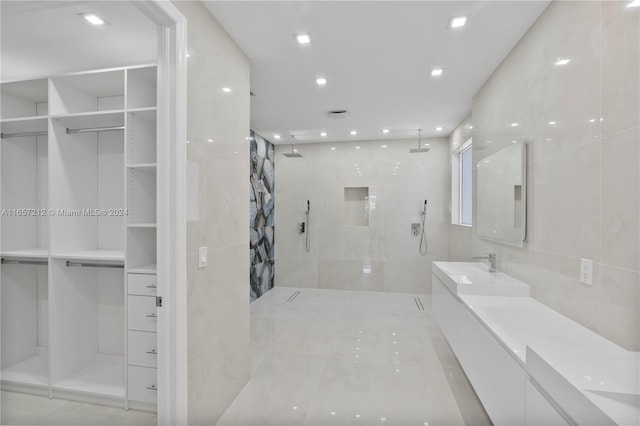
(87, 329)
(141, 139)
(141, 87)
(25, 325)
(141, 250)
(88, 92)
(87, 191)
(24, 99)
(24, 196)
(78, 236)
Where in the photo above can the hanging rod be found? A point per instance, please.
(18, 135)
(23, 262)
(94, 129)
(92, 265)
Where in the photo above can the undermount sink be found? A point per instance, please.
(474, 278)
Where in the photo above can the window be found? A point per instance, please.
(461, 185)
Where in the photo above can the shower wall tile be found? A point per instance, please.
(343, 256)
(582, 178)
(217, 193)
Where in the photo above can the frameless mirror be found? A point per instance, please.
(502, 195)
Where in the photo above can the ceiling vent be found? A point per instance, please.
(338, 114)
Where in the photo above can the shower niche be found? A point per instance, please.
(357, 206)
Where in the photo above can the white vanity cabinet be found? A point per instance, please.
(79, 235)
(500, 380)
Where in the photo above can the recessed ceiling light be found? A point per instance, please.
(562, 61)
(209, 140)
(634, 3)
(593, 120)
(226, 90)
(323, 134)
(93, 18)
(333, 148)
(385, 130)
(303, 39)
(353, 133)
(357, 147)
(276, 136)
(551, 123)
(436, 72)
(438, 129)
(515, 124)
(383, 146)
(457, 21)
(321, 81)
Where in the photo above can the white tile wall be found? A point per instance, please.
(218, 296)
(583, 179)
(382, 256)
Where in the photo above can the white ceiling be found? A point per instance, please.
(376, 56)
(48, 37)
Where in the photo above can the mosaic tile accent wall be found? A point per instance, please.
(261, 215)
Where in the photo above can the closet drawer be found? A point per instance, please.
(142, 284)
(142, 384)
(142, 313)
(142, 346)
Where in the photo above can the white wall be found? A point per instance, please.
(583, 176)
(382, 256)
(218, 214)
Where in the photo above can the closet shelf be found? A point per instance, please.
(146, 269)
(105, 377)
(106, 255)
(143, 109)
(24, 125)
(142, 225)
(32, 371)
(28, 253)
(143, 166)
(92, 119)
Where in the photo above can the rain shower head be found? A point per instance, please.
(293, 153)
(419, 149)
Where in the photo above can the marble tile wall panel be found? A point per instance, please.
(583, 180)
(261, 215)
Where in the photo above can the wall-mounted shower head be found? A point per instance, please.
(293, 154)
(419, 148)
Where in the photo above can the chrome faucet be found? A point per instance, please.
(491, 257)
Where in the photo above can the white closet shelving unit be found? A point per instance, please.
(78, 166)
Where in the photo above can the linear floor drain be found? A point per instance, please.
(293, 296)
(419, 303)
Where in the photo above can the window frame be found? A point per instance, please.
(456, 183)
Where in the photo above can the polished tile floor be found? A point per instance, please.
(23, 409)
(320, 357)
(332, 357)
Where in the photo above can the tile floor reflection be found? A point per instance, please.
(334, 357)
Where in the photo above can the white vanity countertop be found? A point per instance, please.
(475, 278)
(603, 372)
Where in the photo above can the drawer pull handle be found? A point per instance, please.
(152, 286)
(152, 316)
(152, 387)
(153, 352)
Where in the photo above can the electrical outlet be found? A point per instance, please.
(586, 271)
(202, 257)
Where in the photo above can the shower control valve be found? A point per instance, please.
(301, 227)
(415, 229)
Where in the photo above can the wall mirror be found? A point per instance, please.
(502, 195)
